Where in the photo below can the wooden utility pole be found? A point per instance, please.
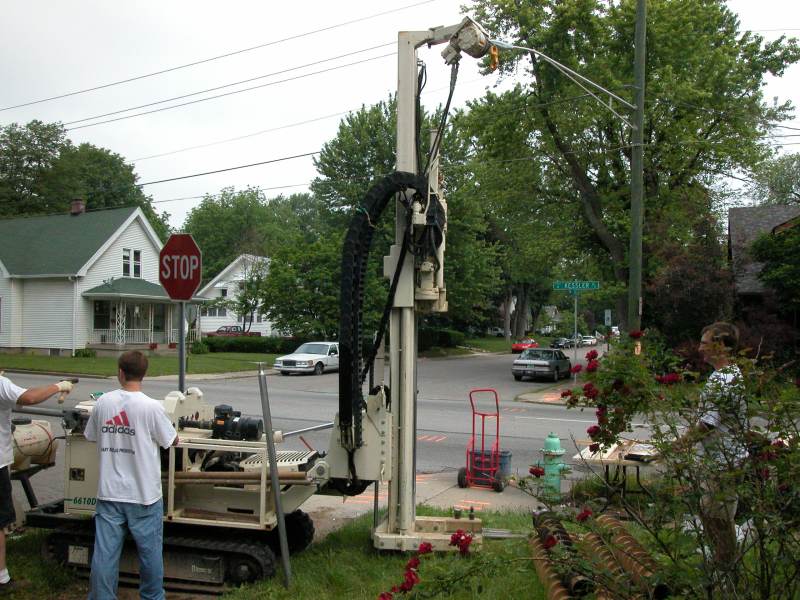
(637, 176)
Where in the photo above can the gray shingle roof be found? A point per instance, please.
(56, 244)
(745, 224)
(131, 288)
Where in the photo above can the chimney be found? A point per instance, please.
(77, 207)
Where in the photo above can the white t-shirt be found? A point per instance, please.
(9, 393)
(725, 411)
(129, 427)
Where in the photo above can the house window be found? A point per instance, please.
(137, 263)
(102, 314)
(126, 262)
(222, 312)
(223, 293)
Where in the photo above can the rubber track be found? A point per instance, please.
(261, 553)
(355, 255)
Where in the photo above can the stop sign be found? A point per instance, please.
(180, 266)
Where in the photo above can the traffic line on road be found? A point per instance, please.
(431, 438)
(515, 410)
(574, 421)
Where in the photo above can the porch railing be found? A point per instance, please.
(139, 336)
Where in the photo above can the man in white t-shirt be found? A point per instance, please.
(129, 428)
(10, 396)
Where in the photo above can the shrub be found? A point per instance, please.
(85, 353)
(264, 345)
(199, 347)
(443, 338)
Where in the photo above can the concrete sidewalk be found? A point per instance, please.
(433, 489)
(548, 395)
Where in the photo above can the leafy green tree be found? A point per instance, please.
(247, 297)
(777, 181)
(705, 113)
(41, 171)
(781, 271)
(227, 225)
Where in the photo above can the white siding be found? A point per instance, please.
(237, 273)
(47, 313)
(110, 265)
(10, 312)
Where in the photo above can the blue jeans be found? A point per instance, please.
(147, 528)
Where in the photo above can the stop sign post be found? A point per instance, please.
(180, 269)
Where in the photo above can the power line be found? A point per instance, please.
(213, 58)
(255, 87)
(264, 162)
(227, 85)
(263, 85)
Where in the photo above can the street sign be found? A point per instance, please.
(576, 285)
(180, 266)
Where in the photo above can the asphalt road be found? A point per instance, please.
(443, 421)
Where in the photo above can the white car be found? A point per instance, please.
(588, 340)
(311, 357)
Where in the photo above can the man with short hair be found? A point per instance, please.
(129, 427)
(10, 396)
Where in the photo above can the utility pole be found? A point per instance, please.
(637, 166)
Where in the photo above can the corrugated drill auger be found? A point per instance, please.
(355, 255)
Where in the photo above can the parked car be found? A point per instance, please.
(311, 357)
(541, 362)
(495, 331)
(588, 340)
(561, 343)
(232, 331)
(524, 344)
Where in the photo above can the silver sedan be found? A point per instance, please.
(541, 362)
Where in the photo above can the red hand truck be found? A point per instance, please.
(483, 454)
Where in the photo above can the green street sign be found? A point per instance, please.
(576, 286)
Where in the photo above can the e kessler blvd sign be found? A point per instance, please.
(576, 285)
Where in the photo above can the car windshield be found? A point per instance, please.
(536, 354)
(312, 349)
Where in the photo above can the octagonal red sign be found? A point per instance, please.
(180, 266)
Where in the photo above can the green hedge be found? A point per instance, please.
(263, 344)
(443, 338)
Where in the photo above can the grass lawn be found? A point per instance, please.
(344, 565)
(215, 362)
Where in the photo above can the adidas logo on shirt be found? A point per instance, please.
(119, 424)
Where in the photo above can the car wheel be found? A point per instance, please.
(556, 375)
(517, 377)
(319, 369)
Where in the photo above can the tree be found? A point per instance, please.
(705, 112)
(228, 225)
(41, 172)
(246, 301)
(777, 181)
(781, 271)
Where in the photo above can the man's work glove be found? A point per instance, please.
(65, 387)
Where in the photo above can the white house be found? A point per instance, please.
(227, 285)
(83, 280)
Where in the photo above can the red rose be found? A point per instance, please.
(764, 473)
(425, 548)
(385, 596)
(592, 365)
(576, 369)
(636, 334)
(566, 393)
(549, 542)
(395, 589)
(594, 447)
(591, 355)
(591, 392)
(600, 412)
(584, 514)
(593, 431)
(413, 563)
(536, 471)
(406, 586)
(659, 379)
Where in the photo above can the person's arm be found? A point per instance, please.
(36, 395)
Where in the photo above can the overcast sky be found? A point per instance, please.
(53, 47)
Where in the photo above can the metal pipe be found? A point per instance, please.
(273, 474)
(38, 410)
(244, 475)
(181, 347)
(307, 429)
